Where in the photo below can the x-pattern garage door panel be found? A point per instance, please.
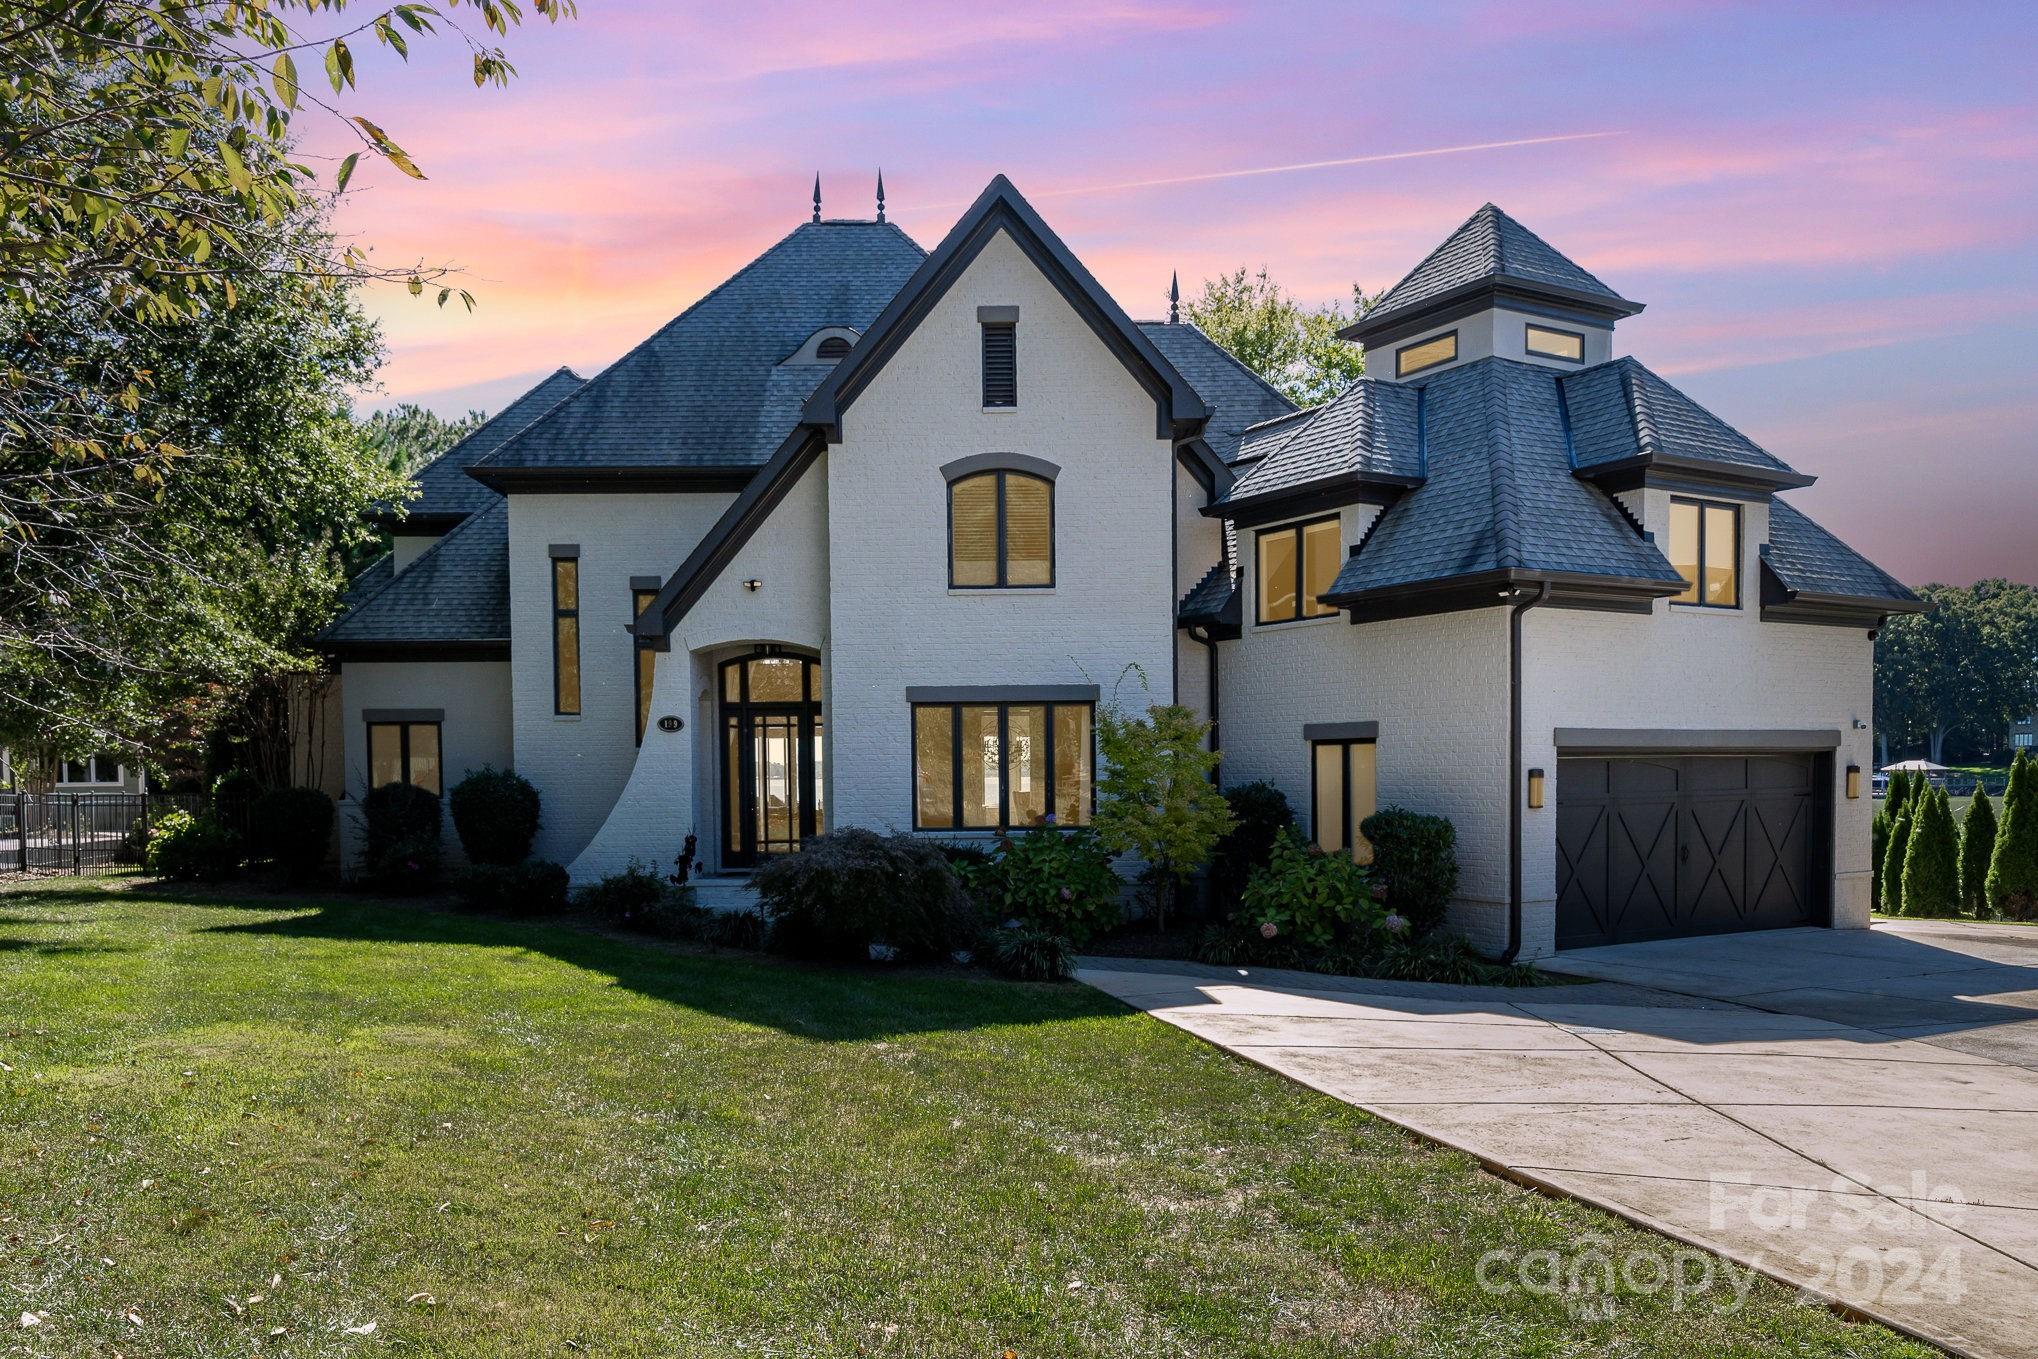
(1655, 848)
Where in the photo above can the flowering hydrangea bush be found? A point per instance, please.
(1312, 899)
(1060, 880)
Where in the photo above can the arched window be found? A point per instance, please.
(831, 349)
(1000, 530)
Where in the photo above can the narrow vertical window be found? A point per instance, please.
(647, 661)
(1705, 547)
(1343, 793)
(566, 634)
(1001, 364)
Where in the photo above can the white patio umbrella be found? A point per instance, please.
(1914, 767)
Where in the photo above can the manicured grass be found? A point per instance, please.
(491, 1139)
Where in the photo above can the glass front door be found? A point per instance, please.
(772, 738)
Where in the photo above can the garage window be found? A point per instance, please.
(1343, 793)
(1705, 547)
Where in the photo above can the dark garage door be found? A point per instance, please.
(1656, 847)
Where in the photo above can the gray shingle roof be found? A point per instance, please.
(1490, 246)
(1806, 559)
(456, 591)
(1211, 598)
(371, 579)
(1370, 429)
(443, 484)
(1499, 495)
(707, 390)
(1238, 397)
(1621, 410)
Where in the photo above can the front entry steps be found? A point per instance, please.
(730, 894)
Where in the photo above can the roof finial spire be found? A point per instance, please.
(817, 196)
(1175, 298)
(881, 193)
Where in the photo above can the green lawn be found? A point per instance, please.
(239, 1126)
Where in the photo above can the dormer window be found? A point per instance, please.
(1545, 342)
(1705, 547)
(832, 349)
(1000, 326)
(1424, 355)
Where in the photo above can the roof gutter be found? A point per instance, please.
(1514, 779)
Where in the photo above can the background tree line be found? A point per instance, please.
(1950, 681)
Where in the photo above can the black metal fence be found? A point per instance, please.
(43, 833)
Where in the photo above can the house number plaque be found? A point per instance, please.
(670, 724)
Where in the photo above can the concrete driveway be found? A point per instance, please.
(1855, 1113)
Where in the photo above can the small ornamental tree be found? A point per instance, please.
(1878, 853)
(2013, 869)
(1977, 847)
(1893, 858)
(1932, 859)
(1155, 798)
(1899, 793)
(495, 813)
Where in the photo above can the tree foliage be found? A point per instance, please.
(2013, 869)
(1932, 859)
(1970, 665)
(1901, 826)
(1295, 349)
(158, 233)
(1977, 847)
(1154, 795)
(406, 437)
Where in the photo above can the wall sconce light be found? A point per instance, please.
(753, 586)
(1853, 782)
(1535, 788)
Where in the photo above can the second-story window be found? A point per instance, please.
(1705, 547)
(1000, 531)
(565, 631)
(1295, 565)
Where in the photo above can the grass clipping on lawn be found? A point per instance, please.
(331, 1127)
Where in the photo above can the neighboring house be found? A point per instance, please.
(91, 774)
(865, 536)
(2023, 735)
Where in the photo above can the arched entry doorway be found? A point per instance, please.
(771, 749)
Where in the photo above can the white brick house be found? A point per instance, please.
(865, 535)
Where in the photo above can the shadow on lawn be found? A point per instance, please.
(827, 1004)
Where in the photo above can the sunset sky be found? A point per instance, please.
(1830, 210)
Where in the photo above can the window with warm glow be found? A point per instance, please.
(1426, 354)
(566, 635)
(404, 752)
(993, 766)
(1000, 531)
(1343, 793)
(647, 662)
(1546, 343)
(1295, 565)
(1705, 547)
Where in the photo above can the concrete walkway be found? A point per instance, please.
(1897, 1174)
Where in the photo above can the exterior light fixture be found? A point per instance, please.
(1535, 788)
(753, 585)
(1853, 782)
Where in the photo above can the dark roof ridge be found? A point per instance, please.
(1231, 358)
(415, 478)
(1505, 489)
(691, 308)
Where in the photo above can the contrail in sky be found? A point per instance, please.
(1303, 165)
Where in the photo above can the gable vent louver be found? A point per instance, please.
(1001, 364)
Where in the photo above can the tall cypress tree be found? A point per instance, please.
(1893, 862)
(1932, 859)
(2013, 869)
(1977, 847)
(1878, 856)
(1899, 793)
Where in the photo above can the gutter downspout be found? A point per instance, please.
(1202, 637)
(1515, 795)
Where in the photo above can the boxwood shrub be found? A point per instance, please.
(1259, 812)
(533, 887)
(1416, 857)
(495, 814)
(187, 848)
(291, 827)
(400, 850)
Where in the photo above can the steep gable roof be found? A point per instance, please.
(710, 392)
(454, 596)
(1490, 249)
(1237, 396)
(1624, 416)
(446, 493)
(1001, 207)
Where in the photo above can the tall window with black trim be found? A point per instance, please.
(1705, 547)
(647, 661)
(1293, 566)
(566, 635)
(991, 766)
(1000, 531)
(1343, 792)
(1001, 364)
